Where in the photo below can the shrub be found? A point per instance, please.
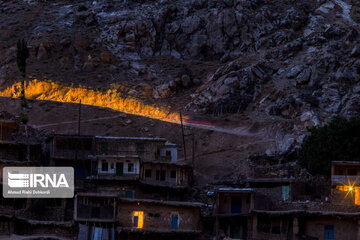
(338, 140)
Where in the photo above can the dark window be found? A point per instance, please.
(163, 175)
(352, 172)
(236, 204)
(140, 148)
(104, 166)
(129, 194)
(148, 173)
(136, 219)
(275, 229)
(104, 148)
(130, 167)
(173, 174)
(168, 153)
(157, 174)
(340, 172)
(263, 224)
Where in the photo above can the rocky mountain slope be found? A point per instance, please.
(273, 66)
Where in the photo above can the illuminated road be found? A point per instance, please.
(45, 90)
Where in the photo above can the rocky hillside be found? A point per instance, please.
(284, 65)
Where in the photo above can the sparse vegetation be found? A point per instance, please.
(82, 8)
(338, 140)
(22, 53)
(24, 118)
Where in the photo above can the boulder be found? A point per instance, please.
(42, 53)
(105, 57)
(294, 71)
(81, 43)
(186, 81)
(162, 91)
(172, 85)
(89, 66)
(304, 77)
(232, 81)
(191, 24)
(197, 81)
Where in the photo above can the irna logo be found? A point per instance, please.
(21, 180)
(38, 182)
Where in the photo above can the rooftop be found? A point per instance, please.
(345, 162)
(235, 190)
(166, 163)
(158, 231)
(114, 156)
(95, 194)
(133, 138)
(166, 203)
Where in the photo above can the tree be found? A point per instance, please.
(22, 53)
(338, 140)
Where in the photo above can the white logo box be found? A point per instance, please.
(38, 182)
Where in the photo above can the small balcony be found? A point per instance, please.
(114, 174)
(345, 180)
(72, 154)
(94, 213)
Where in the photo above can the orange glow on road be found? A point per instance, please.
(43, 90)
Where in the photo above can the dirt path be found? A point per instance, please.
(76, 121)
(239, 131)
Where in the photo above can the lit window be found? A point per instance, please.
(357, 195)
(138, 218)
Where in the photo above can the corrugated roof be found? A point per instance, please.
(133, 138)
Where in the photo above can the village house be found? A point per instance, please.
(345, 182)
(95, 214)
(233, 212)
(72, 151)
(151, 219)
(169, 174)
(147, 148)
(115, 167)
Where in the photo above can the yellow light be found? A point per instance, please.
(139, 215)
(45, 90)
(350, 188)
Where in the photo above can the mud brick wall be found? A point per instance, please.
(344, 228)
(158, 216)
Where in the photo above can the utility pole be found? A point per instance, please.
(79, 118)
(193, 150)
(183, 136)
